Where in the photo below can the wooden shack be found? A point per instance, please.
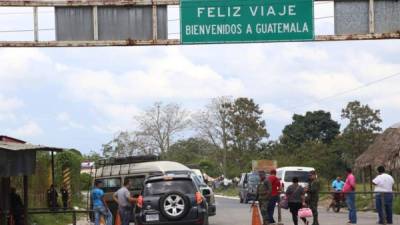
(17, 158)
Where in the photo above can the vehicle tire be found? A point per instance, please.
(174, 205)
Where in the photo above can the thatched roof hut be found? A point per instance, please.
(384, 151)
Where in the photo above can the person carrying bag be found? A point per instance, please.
(296, 200)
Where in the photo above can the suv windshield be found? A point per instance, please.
(164, 186)
(302, 175)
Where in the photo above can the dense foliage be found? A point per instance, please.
(228, 133)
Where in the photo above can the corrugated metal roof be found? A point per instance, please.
(12, 146)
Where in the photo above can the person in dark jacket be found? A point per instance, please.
(52, 197)
(64, 196)
(296, 200)
(313, 195)
(263, 196)
(16, 207)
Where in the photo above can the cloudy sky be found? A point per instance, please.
(80, 97)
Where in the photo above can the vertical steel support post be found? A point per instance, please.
(371, 17)
(279, 214)
(35, 24)
(53, 196)
(95, 24)
(154, 21)
(26, 199)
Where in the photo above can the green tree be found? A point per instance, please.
(129, 144)
(246, 131)
(92, 156)
(313, 126)
(190, 151)
(364, 125)
(212, 124)
(246, 128)
(161, 123)
(195, 151)
(72, 160)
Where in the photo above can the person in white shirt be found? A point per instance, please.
(384, 196)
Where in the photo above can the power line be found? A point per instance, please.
(323, 17)
(25, 30)
(337, 94)
(23, 13)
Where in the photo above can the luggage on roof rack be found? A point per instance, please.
(127, 160)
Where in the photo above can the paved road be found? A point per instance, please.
(230, 212)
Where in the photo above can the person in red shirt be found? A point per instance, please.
(276, 188)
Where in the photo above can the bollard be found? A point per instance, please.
(73, 217)
(279, 214)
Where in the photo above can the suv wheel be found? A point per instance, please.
(174, 205)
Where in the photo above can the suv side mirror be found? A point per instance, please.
(206, 192)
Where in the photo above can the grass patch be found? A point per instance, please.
(396, 205)
(230, 191)
(364, 202)
(58, 218)
(51, 219)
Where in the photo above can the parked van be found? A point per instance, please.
(248, 186)
(113, 175)
(286, 174)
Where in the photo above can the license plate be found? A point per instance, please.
(152, 217)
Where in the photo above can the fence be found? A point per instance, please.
(365, 201)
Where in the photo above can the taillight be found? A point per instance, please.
(199, 198)
(140, 201)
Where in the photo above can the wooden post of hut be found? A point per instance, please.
(363, 179)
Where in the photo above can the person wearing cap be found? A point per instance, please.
(313, 195)
(384, 196)
(263, 196)
(100, 207)
(275, 190)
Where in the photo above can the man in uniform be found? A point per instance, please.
(64, 196)
(313, 195)
(263, 196)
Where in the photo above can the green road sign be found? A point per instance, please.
(220, 21)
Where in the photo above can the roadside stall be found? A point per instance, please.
(18, 159)
(385, 151)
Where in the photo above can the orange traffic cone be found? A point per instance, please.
(117, 219)
(255, 220)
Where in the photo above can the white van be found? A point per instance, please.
(286, 174)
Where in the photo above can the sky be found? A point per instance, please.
(81, 97)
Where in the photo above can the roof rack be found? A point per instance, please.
(127, 160)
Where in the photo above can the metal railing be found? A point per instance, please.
(372, 201)
(73, 212)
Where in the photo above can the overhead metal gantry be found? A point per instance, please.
(36, 42)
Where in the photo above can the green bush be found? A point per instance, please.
(86, 181)
(230, 191)
(396, 205)
(364, 202)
